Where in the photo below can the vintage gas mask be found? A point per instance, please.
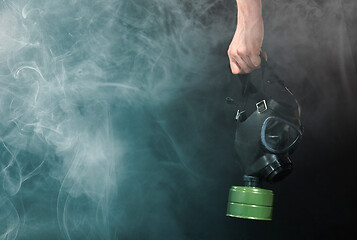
(267, 132)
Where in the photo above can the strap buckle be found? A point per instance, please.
(261, 106)
(237, 115)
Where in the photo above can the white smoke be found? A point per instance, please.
(67, 69)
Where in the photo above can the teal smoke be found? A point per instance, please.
(86, 141)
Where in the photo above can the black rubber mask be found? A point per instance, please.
(267, 132)
(265, 139)
(268, 125)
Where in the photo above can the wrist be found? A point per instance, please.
(249, 9)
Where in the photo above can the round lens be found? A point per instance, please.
(279, 135)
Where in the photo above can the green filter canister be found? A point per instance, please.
(250, 203)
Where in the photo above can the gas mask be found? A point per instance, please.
(267, 132)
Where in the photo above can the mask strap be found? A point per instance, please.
(263, 66)
(252, 85)
(244, 80)
(257, 88)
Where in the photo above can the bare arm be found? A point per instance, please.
(244, 50)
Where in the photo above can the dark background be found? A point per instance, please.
(313, 46)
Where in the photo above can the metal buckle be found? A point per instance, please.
(237, 115)
(261, 106)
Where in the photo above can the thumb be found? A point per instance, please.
(255, 60)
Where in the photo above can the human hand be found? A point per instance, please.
(244, 50)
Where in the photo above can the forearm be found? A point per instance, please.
(244, 50)
(249, 10)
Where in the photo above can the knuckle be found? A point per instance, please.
(234, 55)
(230, 52)
(244, 51)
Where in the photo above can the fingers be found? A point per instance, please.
(243, 63)
(255, 61)
(234, 65)
(244, 67)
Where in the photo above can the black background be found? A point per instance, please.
(317, 59)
